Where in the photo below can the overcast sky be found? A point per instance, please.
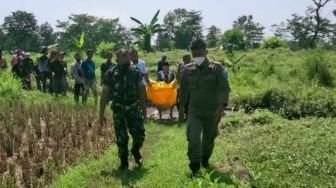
(215, 12)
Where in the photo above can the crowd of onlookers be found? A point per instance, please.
(50, 71)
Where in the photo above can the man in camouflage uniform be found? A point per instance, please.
(205, 86)
(125, 85)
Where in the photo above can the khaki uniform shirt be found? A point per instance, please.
(205, 87)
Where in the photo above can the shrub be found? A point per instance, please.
(318, 68)
(104, 47)
(273, 43)
(9, 85)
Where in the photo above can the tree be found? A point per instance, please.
(213, 36)
(96, 31)
(20, 30)
(233, 39)
(111, 31)
(146, 31)
(299, 31)
(2, 39)
(319, 4)
(164, 40)
(183, 26)
(253, 32)
(46, 33)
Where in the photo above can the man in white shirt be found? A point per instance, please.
(140, 65)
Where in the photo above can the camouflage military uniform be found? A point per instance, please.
(124, 88)
(205, 87)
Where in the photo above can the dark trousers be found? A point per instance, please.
(201, 134)
(79, 91)
(38, 82)
(128, 120)
(44, 77)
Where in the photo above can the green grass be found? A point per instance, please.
(260, 150)
(165, 165)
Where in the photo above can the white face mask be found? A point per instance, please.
(199, 60)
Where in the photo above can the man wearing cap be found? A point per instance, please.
(124, 83)
(205, 86)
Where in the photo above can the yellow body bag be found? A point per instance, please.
(161, 94)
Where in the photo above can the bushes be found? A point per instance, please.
(316, 102)
(9, 86)
(273, 43)
(318, 68)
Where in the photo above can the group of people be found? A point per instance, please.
(203, 94)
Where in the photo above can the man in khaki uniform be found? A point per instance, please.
(205, 86)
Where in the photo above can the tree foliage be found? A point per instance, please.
(96, 31)
(146, 31)
(253, 31)
(20, 31)
(183, 26)
(213, 37)
(233, 39)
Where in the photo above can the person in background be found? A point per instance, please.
(77, 75)
(107, 65)
(37, 75)
(15, 62)
(57, 73)
(65, 77)
(26, 69)
(186, 60)
(89, 70)
(43, 69)
(140, 65)
(3, 62)
(51, 59)
(161, 62)
(166, 76)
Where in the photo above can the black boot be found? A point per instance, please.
(137, 156)
(123, 163)
(205, 163)
(195, 169)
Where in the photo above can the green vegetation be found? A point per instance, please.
(280, 133)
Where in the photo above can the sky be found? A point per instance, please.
(215, 12)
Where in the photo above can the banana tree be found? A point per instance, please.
(146, 31)
(80, 42)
